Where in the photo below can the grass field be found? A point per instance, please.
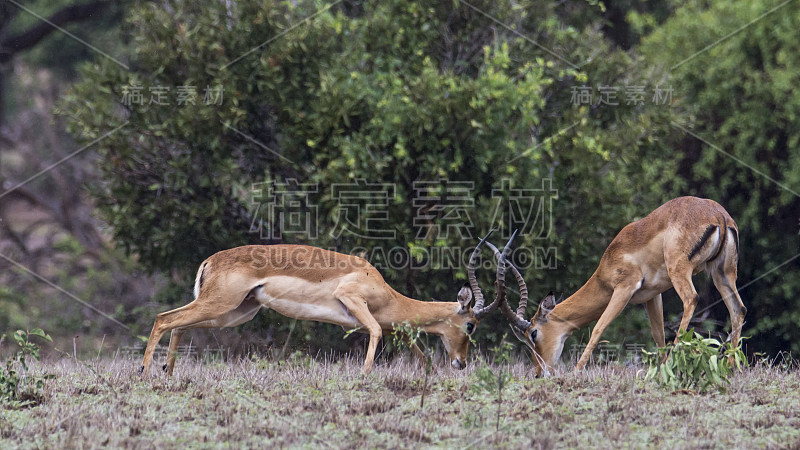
(315, 403)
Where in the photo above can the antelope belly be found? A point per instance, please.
(305, 301)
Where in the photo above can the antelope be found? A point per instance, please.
(681, 238)
(310, 283)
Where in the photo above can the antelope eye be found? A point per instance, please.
(533, 335)
(470, 328)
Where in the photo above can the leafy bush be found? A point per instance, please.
(494, 379)
(18, 388)
(406, 334)
(694, 363)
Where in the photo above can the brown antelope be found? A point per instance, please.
(310, 283)
(679, 239)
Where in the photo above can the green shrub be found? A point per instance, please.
(407, 335)
(694, 363)
(494, 379)
(18, 388)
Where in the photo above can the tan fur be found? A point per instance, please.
(307, 283)
(645, 259)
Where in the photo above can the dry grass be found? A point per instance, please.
(317, 403)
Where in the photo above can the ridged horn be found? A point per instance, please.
(473, 282)
(516, 319)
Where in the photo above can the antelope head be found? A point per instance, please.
(530, 332)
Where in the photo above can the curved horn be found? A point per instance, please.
(500, 296)
(473, 282)
(523, 292)
(517, 320)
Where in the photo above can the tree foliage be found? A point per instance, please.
(741, 94)
(392, 92)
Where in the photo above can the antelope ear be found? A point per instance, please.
(465, 297)
(546, 307)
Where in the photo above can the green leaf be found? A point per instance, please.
(39, 332)
(712, 361)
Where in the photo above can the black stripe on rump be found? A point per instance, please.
(699, 246)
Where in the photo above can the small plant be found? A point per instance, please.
(18, 388)
(493, 380)
(299, 359)
(408, 335)
(694, 363)
(783, 361)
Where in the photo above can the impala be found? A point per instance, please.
(679, 239)
(310, 283)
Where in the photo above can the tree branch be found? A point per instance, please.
(27, 39)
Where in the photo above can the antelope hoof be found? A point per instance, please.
(164, 368)
(457, 364)
(141, 370)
